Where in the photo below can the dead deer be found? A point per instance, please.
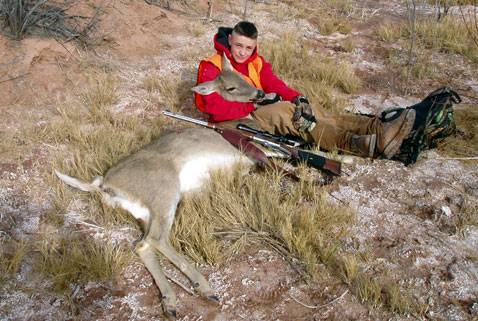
(150, 183)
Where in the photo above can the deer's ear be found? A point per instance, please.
(205, 88)
(226, 64)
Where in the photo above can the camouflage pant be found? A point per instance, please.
(331, 130)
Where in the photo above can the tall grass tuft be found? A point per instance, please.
(10, 263)
(66, 261)
(151, 82)
(101, 90)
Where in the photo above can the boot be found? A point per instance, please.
(364, 145)
(395, 131)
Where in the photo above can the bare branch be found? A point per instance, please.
(13, 61)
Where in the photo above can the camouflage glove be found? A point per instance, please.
(270, 98)
(304, 118)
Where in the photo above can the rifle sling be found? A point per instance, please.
(249, 149)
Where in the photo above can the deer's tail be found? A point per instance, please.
(76, 183)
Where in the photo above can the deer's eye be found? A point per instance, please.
(231, 89)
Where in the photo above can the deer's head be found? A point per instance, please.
(230, 85)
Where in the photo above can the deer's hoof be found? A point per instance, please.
(170, 314)
(213, 298)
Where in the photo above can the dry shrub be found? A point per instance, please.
(51, 19)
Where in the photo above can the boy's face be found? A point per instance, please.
(241, 47)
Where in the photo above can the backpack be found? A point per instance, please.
(433, 123)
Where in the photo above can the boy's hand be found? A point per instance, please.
(304, 118)
(270, 98)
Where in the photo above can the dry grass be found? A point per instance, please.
(452, 2)
(238, 209)
(67, 261)
(371, 286)
(345, 7)
(347, 45)
(334, 24)
(10, 263)
(298, 221)
(97, 138)
(468, 216)
(175, 93)
(294, 61)
(387, 32)
(465, 143)
(101, 90)
(196, 29)
(151, 82)
(448, 34)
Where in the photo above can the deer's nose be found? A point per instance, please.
(260, 94)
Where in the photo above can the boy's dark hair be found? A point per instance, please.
(246, 29)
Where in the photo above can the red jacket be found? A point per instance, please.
(220, 109)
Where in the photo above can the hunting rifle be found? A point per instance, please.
(330, 167)
(240, 140)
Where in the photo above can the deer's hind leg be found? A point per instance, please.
(158, 237)
(164, 201)
(163, 245)
(148, 256)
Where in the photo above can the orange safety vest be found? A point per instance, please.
(254, 68)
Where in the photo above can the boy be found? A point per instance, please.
(286, 111)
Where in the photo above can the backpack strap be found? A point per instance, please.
(384, 116)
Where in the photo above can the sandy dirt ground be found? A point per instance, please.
(404, 214)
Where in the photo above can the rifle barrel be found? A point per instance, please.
(279, 138)
(189, 119)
